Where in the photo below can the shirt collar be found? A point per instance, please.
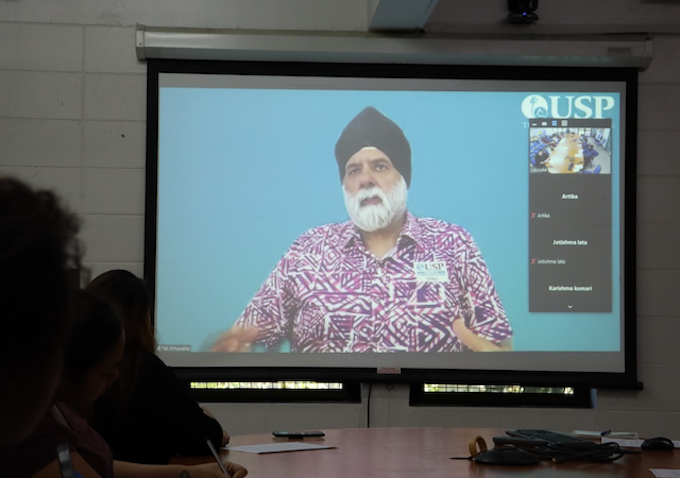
(412, 232)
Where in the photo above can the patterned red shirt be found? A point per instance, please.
(330, 294)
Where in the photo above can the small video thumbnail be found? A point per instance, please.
(567, 146)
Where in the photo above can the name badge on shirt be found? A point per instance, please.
(434, 271)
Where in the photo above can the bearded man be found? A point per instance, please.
(385, 281)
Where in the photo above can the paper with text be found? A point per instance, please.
(665, 473)
(277, 447)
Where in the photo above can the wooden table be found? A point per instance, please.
(420, 452)
(567, 157)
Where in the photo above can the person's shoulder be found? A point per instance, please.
(432, 226)
(150, 358)
(156, 377)
(67, 410)
(325, 229)
(49, 428)
(38, 450)
(152, 371)
(325, 234)
(152, 362)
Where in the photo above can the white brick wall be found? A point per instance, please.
(72, 117)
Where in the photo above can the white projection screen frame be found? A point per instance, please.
(240, 163)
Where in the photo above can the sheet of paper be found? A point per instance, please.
(623, 442)
(632, 443)
(595, 434)
(665, 473)
(278, 447)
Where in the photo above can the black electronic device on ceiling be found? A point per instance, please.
(522, 12)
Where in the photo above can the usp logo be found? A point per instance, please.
(567, 106)
(535, 106)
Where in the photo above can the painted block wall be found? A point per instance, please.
(72, 118)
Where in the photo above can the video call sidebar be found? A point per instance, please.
(570, 216)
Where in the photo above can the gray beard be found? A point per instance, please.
(374, 217)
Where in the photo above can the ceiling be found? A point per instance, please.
(555, 17)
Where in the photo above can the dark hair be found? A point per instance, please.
(130, 298)
(96, 330)
(38, 248)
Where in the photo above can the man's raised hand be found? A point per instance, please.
(236, 339)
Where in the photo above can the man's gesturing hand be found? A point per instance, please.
(476, 343)
(236, 339)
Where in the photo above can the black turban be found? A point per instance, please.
(372, 128)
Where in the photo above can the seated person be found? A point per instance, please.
(148, 415)
(589, 154)
(38, 247)
(92, 354)
(384, 281)
(542, 157)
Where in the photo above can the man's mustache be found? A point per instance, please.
(370, 193)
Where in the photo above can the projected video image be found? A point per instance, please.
(570, 149)
(383, 221)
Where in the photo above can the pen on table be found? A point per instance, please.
(217, 457)
(605, 433)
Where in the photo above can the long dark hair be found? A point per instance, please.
(129, 297)
(96, 329)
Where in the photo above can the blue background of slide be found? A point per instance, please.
(243, 172)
